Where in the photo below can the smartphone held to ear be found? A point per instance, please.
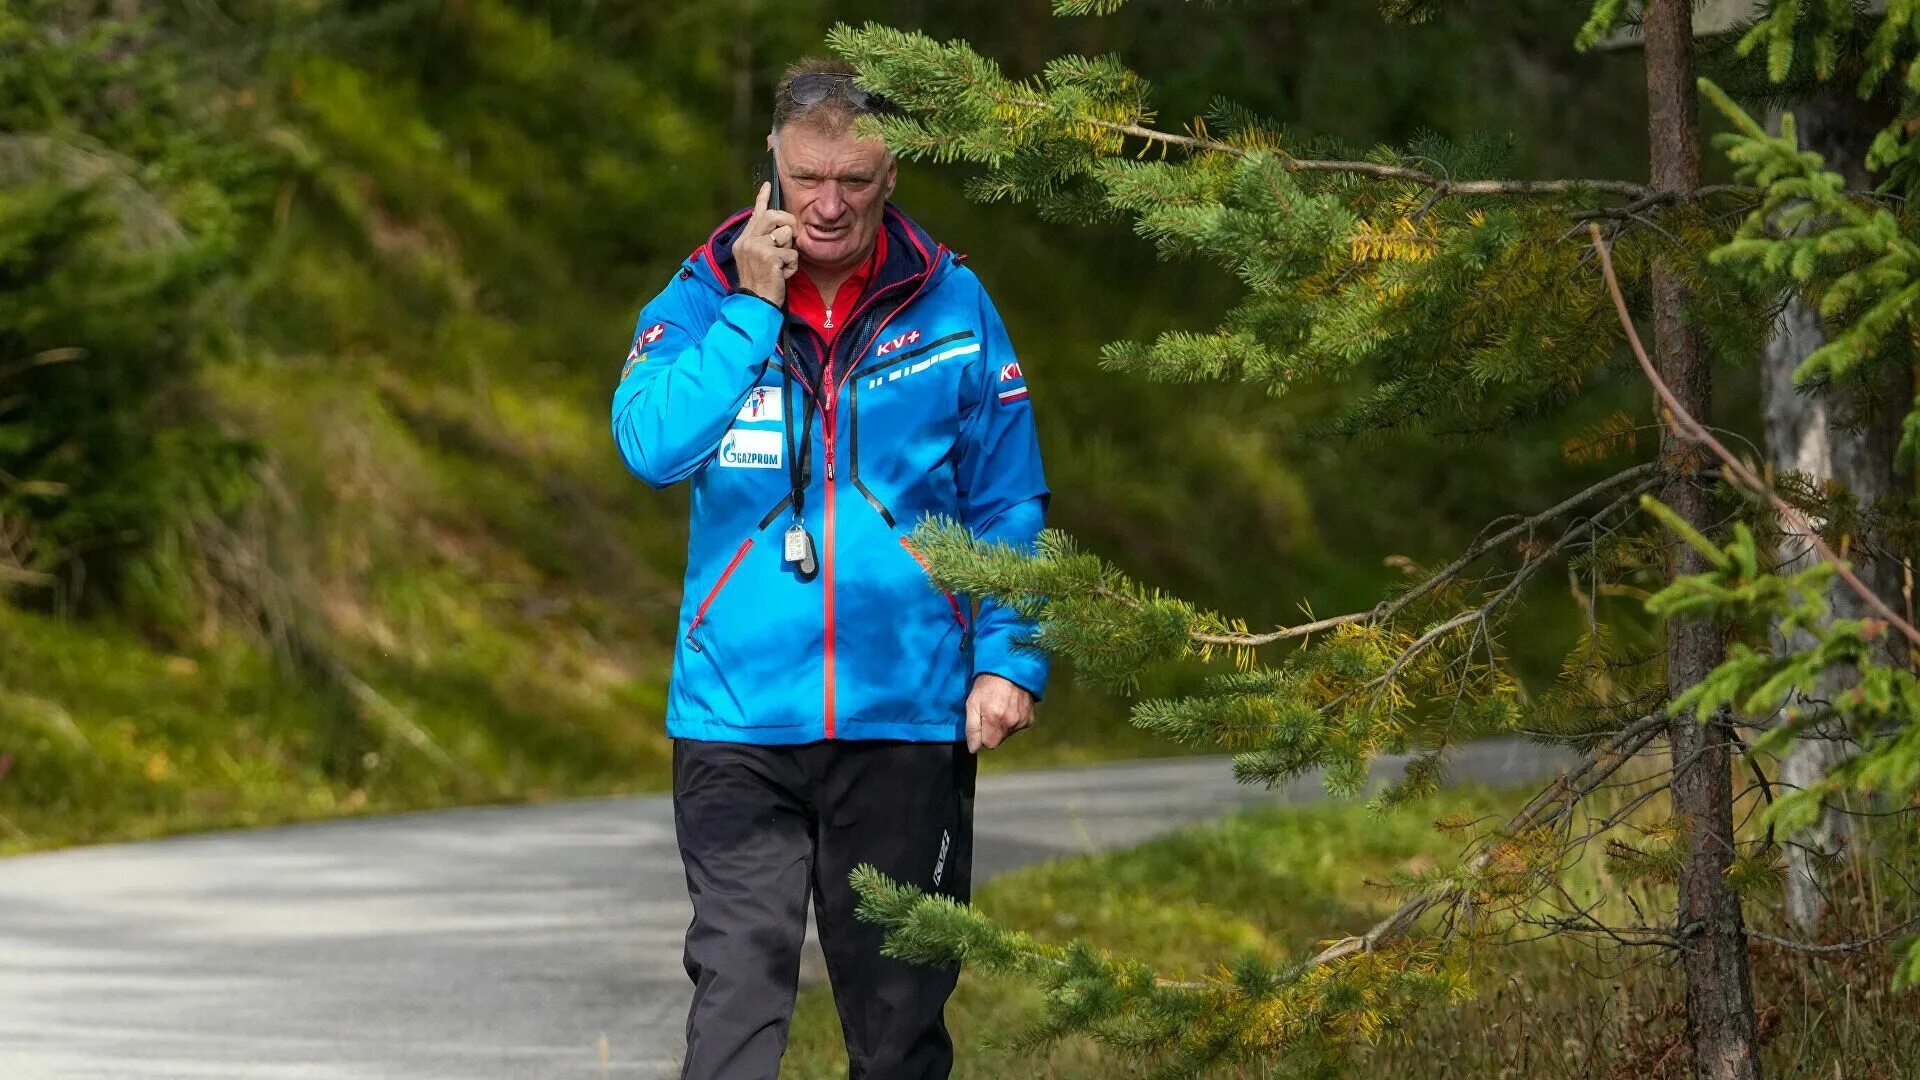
(768, 173)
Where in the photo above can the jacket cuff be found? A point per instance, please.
(1023, 668)
(756, 319)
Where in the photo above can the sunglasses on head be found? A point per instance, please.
(816, 86)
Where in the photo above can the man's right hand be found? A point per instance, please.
(764, 251)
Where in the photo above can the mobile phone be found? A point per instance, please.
(768, 172)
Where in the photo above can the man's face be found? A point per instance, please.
(837, 187)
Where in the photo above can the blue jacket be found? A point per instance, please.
(928, 414)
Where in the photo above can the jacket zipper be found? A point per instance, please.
(830, 396)
(828, 419)
(952, 601)
(700, 615)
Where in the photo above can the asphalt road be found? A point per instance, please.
(499, 942)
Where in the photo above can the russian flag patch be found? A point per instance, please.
(1010, 374)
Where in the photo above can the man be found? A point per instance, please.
(824, 377)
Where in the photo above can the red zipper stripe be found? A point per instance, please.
(715, 591)
(827, 583)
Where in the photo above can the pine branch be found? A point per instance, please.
(1644, 197)
(933, 929)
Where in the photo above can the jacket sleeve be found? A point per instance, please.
(1003, 492)
(685, 377)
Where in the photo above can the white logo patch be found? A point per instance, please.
(763, 403)
(752, 449)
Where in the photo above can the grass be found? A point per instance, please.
(107, 736)
(1274, 881)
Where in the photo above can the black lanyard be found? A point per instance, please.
(800, 462)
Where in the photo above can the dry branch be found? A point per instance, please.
(1687, 427)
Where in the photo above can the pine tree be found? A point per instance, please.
(1466, 300)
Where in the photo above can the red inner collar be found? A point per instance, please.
(804, 299)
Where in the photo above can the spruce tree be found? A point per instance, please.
(1466, 299)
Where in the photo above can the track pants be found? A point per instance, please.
(762, 827)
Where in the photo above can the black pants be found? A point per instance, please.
(761, 827)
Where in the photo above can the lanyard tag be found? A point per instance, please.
(799, 547)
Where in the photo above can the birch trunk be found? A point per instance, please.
(1836, 435)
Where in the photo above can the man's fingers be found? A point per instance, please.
(994, 722)
(768, 222)
(973, 725)
(782, 235)
(760, 197)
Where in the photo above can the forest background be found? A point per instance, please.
(311, 314)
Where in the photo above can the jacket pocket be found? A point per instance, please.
(953, 602)
(719, 583)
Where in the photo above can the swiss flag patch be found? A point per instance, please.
(652, 333)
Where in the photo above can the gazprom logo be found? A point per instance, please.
(751, 449)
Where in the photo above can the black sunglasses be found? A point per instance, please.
(816, 86)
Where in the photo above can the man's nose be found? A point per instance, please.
(832, 200)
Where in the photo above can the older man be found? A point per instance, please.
(824, 376)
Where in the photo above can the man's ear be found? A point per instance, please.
(893, 176)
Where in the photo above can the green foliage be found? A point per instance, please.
(115, 245)
(1335, 706)
(1109, 626)
(1087, 7)
(302, 399)
(1448, 298)
(1837, 39)
(1879, 712)
(1857, 259)
(1809, 231)
(1813, 25)
(1606, 16)
(1466, 309)
(1287, 874)
(1207, 900)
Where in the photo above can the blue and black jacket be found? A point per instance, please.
(920, 407)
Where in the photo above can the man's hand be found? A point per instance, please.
(996, 708)
(764, 251)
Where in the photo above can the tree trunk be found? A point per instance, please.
(1713, 942)
(1845, 434)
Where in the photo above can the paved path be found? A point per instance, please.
(472, 944)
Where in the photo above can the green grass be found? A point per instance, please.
(1268, 881)
(1276, 881)
(108, 738)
